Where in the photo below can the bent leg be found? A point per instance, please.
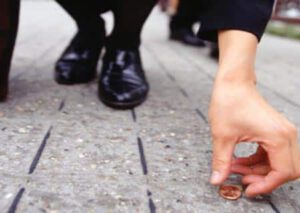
(181, 25)
(9, 16)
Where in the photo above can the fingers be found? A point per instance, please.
(274, 167)
(259, 185)
(255, 164)
(259, 169)
(222, 158)
(256, 158)
(249, 179)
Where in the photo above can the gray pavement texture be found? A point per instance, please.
(64, 151)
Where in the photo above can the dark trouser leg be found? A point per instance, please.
(85, 14)
(9, 16)
(181, 25)
(122, 83)
(130, 16)
(79, 61)
(187, 14)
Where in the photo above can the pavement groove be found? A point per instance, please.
(17, 199)
(40, 151)
(142, 156)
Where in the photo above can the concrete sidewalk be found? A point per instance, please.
(63, 151)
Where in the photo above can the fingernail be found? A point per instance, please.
(215, 177)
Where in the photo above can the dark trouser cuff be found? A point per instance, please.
(123, 42)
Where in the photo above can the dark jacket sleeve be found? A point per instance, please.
(246, 15)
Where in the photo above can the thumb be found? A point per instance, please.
(221, 162)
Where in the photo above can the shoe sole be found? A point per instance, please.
(122, 106)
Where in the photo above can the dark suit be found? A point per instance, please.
(129, 15)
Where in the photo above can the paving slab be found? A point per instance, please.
(176, 141)
(63, 151)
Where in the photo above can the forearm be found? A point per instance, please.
(238, 113)
(237, 56)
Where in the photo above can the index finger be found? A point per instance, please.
(264, 184)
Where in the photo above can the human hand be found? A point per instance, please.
(238, 113)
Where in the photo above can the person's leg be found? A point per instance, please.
(214, 51)
(86, 14)
(79, 61)
(122, 81)
(130, 17)
(9, 16)
(187, 14)
(181, 25)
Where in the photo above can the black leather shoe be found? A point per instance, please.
(186, 36)
(78, 63)
(122, 83)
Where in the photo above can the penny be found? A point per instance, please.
(230, 192)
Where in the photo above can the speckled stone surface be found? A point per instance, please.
(64, 151)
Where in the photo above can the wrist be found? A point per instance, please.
(236, 76)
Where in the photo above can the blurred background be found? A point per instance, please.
(285, 22)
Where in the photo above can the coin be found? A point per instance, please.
(230, 192)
